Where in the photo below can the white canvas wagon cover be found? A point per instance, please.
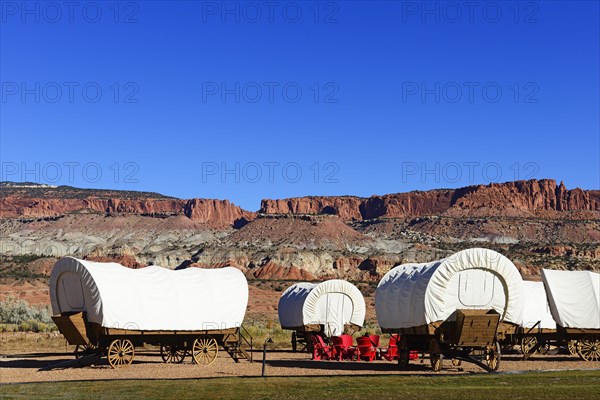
(332, 303)
(412, 295)
(151, 298)
(574, 298)
(536, 308)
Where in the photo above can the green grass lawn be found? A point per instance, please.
(549, 385)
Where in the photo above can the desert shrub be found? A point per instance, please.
(8, 328)
(24, 259)
(260, 332)
(18, 315)
(35, 326)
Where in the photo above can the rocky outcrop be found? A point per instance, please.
(594, 199)
(272, 270)
(543, 198)
(590, 252)
(145, 207)
(521, 198)
(126, 260)
(159, 241)
(53, 202)
(304, 232)
(283, 264)
(375, 266)
(412, 204)
(346, 207)
(216, 212)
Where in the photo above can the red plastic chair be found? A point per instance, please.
(366, 350)
(347, 340)
(374, 340)
(342, 347)
(320, 350)
(392, 351)
(339, 349)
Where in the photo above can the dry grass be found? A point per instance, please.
(556, 385)
(24, 342)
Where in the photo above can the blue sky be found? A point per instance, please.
(252, 100)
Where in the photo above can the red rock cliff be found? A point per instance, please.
(215, 212)
(346, 207)
(520, 198)
(50, 202)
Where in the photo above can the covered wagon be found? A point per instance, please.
(108, 309)
(328, 308)
(574, 300)
(451, 307)
(537, 322)
(536, 311)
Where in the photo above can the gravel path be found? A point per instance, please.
(148, 365)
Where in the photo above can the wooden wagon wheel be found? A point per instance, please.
(84, 350)
(492, 356)
(435, 355)
(589, 348)
(572, 347)
(172, 354)
(120, 353)
(403, 352)
(527, 344)
(205, 350)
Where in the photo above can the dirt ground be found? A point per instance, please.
(148, 365)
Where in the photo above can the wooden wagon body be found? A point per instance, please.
(584, 343)
(118, 345)
(470, 336)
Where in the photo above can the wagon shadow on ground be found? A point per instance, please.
(548, 358)
(41, 361)
(345, 365)
(29, 363)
